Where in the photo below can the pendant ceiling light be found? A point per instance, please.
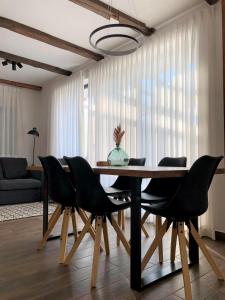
(105, 37)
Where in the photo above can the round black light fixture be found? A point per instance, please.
(132, 36)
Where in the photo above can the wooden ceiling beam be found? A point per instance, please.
(108, 12)
(34, 63)
(211, 2)
(47, 38)
(21, 85)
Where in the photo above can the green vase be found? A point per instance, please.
(118, 157)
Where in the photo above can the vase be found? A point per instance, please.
(118, 157)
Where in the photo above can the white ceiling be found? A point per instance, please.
(70, 22)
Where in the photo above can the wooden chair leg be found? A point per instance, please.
(123, 219)
(91, 230)
(154, 244)
(120, 235)
(96, 251)
(187, 242)
(119, 223)
(64, 235)
(160, 247)
(206, 253)
(74, 223)
(106, 237)
(144, 230)
(78, 241)
(57, 211)
(173, 244)
(184, 261)
(53, 220)
(144, 218)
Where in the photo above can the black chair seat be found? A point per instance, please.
(111, 191)
(162, 209)
(120, 204)
(106, 207)
(149, 198)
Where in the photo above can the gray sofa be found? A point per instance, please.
(17, 185)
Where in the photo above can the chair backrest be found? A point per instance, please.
(173, 162)
(60, 188)
(166, 186)
(90, 194)
(125, 182)
(191, 198)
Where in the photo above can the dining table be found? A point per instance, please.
(137, 173)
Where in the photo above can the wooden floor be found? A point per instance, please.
(26, 274)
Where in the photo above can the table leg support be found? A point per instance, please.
(44, 192)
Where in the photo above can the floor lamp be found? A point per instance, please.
(35, 134)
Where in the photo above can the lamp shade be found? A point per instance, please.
(33, 132)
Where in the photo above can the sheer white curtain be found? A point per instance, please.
(19, 112)
(210, 106)
(10, 120)
(66, 114)
(167, 95)
(152, 93)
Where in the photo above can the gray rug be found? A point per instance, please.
(24, 210)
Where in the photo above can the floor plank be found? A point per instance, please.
(28, 274)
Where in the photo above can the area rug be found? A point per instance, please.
(24, 210)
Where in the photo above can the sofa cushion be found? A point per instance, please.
(19, 184)
(14, 167)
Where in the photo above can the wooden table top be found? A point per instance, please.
(135, 171)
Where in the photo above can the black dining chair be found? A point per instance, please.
(189, 202)
(62, 192)
(92, 198)
(157, 190)
(121, 190)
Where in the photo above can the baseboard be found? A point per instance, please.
(220, 235)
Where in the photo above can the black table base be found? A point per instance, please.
(57, 236)
(161, 271)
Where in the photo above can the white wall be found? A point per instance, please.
(30, 117)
